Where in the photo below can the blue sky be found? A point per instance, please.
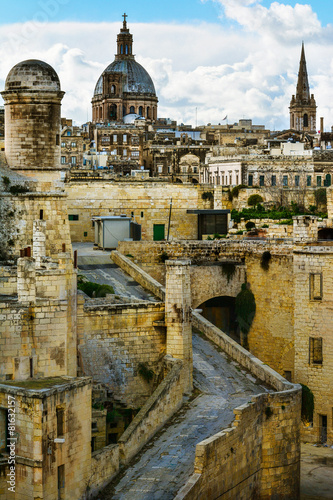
(178, 11)
(207, 58)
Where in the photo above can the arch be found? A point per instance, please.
(179, 181)
(221, 312)
(124, 111)
(121, 49)
(148, 112)
(194, 181)
(140, 110)
(126, 49)
(305, 120)
(325, 233)
(113, 89)
(132, 110)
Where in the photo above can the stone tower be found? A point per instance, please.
(32, 98)
(302, 106)
(124, 87)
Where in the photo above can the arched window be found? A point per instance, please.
(305, 120)
(328, 180)
(132, 110)
(126, 49)
(124, 111)
(113, 112)
(140, 110)
(121, 49)
(113, 89)
(148, 112)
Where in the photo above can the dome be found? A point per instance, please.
(136, 81)
(32, 75)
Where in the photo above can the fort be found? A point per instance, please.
(78, 370)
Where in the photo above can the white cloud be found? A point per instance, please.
(244, 70)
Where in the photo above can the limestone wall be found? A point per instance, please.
(313, 331)
(114, 339)
(38, 455)
(104, 466)
(157, 410)
(259, 455)
(149, 203)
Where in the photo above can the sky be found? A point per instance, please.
(208, 58)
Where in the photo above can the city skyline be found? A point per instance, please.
(207, 59)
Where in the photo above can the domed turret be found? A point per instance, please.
(32, 98)
(124, 87)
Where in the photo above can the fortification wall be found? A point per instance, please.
(148, 202)
(267, 463)
(114, 339)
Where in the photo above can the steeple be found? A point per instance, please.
(303, 89)
(303, 105)
(124, 42)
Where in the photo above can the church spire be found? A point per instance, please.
(303, 89)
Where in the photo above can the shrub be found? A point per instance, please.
(235, 191)
(228, 269)
(94, 289)
(307, 404)
(245, 308)
(250, 225)
(207, 195)
(320, 196)
(254, 200)
(164, 256)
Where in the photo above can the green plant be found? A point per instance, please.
(235, 191)
(94, 289)
(264, 226)
(207, 195)
(228, 269)
(164, 256)
(129, 255)
(245, 308)
(265, 260)
(307, 404)
(6, 181)
(240, 232)
(145, 372)
(254, 200)
(286, 222)
(17, 189)
(250, 225)
(320, 196)
(268, 412)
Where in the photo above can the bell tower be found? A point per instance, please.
(303, 109)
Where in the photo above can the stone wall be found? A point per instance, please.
(38, 454)
(38, 323)
(114, 339)
(149, 202)
(157, 410)
(259, 456)
(313, 331)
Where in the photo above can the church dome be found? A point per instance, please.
(136, 79)
(32, 75)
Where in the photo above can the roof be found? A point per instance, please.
(136, 78)
(32, 74)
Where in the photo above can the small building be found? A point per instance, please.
(111, 229)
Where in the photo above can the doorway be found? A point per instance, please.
(158, 232)
(323, 429)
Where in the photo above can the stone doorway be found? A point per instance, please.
(221, 312)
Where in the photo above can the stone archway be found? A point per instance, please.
(221, 312)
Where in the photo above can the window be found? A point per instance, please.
(57, 140)
(94, 426)
(296, 180)
(68, 133)
(63, 160)
(125, 138)
(195, 170)
(114, 138)
(318, 180)
(113, 89)
(285, 180)
(61, 482)
(41, 214)
(308, 180)
(316, 286)
(250, 180)
(73, 144)
(132, 110)
(287, 375)
(63, 144)
(73, 217)
(73, 160)
(262, 180)
(124, 152)
(316, 350)
(135, 154)
(60, 422)
(273, 181)
(141, 214)
(327, 180)
(305, 120)
(160, 169)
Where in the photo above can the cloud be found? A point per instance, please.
(247, 69)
